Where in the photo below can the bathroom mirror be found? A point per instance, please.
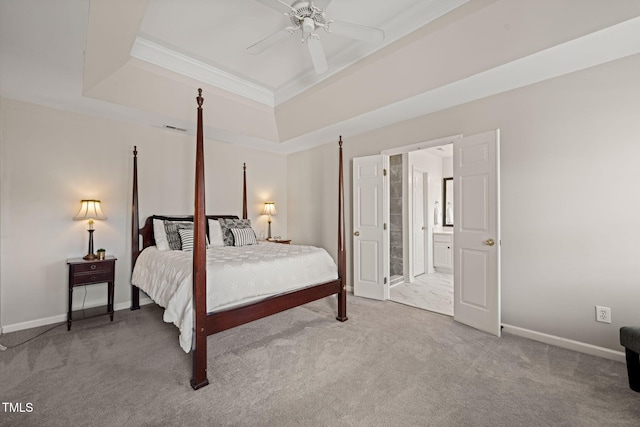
(447, 195)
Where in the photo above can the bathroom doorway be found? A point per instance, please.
(421, 269)
(473, 247)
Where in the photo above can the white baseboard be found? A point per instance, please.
(578, 346)
(34, 323)
(60, 318)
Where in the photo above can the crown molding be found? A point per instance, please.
(161, 56)
(412, 19)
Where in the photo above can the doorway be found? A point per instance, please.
(476, 228)
(418, 276)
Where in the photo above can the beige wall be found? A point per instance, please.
(51, 159)
(570, 224)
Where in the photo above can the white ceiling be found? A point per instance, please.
(174, 34)
(44, 49)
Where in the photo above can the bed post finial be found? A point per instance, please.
(200, 99)
(135, 151)
(340, 141)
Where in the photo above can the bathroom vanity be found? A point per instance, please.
(443, 251)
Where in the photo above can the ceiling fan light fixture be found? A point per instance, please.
(308, 25)
(308, 16)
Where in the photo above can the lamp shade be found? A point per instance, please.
(89, 209)
(269, 208)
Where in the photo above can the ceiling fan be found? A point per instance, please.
(308, 16)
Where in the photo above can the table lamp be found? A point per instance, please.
(269, 209)
(90, 210)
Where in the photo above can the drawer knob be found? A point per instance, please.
(93, 277)
(93, 266)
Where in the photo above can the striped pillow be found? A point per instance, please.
(187, 240)
(243, 236)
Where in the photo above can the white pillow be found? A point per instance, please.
(215, 233)
(160, 235)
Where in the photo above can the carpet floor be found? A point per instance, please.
(389, 365)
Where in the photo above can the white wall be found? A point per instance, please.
(447, 167)
(51, 159)
(570, 228)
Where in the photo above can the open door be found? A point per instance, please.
(418, 226)
(368, 228)
(477, 231)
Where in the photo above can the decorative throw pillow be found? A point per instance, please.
(186, 239)
(173, 235)
(243, 237)
(215, 233)
(160, 235)
(227, 224)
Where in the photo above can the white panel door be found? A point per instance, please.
(368, 257)
(417, 225)
(476, 229)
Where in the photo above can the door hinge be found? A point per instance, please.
(384, 226)
(384, 172)
(385, 280)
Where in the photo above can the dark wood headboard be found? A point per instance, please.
(147, 231)
(148, 239)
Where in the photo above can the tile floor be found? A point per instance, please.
(433, 292)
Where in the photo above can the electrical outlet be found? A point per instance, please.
(603, 314)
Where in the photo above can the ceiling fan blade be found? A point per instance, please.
(317, 55)
(358, 32)
(266, 43)
(322, 4)
(278, 5)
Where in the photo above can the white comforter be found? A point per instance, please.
(234, 276)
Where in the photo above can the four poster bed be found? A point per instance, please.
(240, 287)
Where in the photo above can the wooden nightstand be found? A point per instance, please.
(82, 273)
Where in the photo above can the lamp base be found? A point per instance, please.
(90, 256)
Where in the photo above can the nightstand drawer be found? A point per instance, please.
(87, 277)
(94, 267)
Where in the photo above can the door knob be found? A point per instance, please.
(357, 233)
(489, 242)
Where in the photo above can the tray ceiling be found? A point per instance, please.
(141, 61)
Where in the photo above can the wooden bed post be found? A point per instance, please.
(244, 191)
(342, 258)
(199, 378)
(135, 230)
